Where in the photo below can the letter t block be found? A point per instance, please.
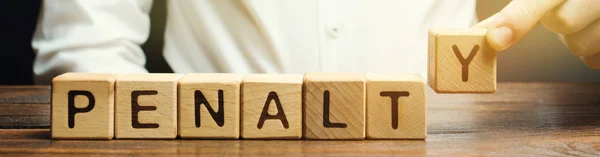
(396, 106)
(461, 61)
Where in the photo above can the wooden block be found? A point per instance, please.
(83, 106)
(461, 61)
(272, 106)
(146, 106)
(395, 106)
(209, 106)
(334, 106)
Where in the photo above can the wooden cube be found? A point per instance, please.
(396, 106)
(272, 106)
(334, 106)
(209, 106)
(146, 106)
(83, 106)
(461, 61)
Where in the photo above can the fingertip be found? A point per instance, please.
(485, 23)
(500, 38)
(482, 24)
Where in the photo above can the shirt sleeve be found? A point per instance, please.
(100, 36)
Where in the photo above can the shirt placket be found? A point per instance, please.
(329, 30)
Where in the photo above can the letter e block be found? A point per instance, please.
(395, 106)
(83, 106)
(334, 106)
(146, 106)
(461, 61)
(209, 106)
(272, 106)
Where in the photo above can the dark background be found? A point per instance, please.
(540, 57)
(18, 23)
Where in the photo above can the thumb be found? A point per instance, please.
(512, 23)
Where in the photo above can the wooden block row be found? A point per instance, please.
(227, 106)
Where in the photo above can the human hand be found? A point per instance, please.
(575, 21)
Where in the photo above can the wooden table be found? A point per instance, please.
(535, 119)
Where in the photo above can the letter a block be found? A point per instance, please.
(395, 106)
(334, 106)
(272, 106)
(146, 106)
(209, 106)
(460, 61)
(83, 106)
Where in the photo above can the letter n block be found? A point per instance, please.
(334, 106)
(209, 106)
(461, 61)
(395, 106)
(146, 106)
(272, 106)
(83, 106)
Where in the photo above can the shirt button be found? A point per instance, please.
(333, 29)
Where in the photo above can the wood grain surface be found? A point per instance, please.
(520, 119)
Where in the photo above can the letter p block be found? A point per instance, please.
(83, 106)
(460, 61)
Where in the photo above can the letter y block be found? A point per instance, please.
(460, 61)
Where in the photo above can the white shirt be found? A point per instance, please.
(244, 36)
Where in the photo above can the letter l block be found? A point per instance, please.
(334, 106)
(461, 61)
(146, 106)
(82, 106)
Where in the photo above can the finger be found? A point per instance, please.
(484, 23)
(513, 22)
(592, 61)
(585, 42)
(572, 16)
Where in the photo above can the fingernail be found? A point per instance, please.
(502, 37)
